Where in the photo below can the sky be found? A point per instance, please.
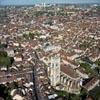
(28, 2)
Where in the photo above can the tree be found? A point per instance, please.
(5, 60)
(3, 54)
(11, 59)
(31, 35)
(83, 94)
(5, 92)
(25, 36)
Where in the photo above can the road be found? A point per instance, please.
(38, 92)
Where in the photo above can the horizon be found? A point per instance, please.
(32, 2)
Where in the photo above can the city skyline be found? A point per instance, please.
(31, 2)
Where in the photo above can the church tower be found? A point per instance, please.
(55, 70)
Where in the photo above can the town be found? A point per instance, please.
(50, 52)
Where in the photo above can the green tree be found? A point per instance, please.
(5, 92)
(3, 54)
(31, 35)
(83, 94)
(25, 36)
